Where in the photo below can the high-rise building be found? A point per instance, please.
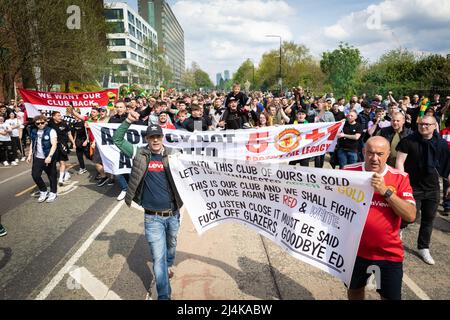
(226, 75)
(131, 40)
(219, 79)
(170, 34)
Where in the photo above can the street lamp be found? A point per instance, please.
(280, 74)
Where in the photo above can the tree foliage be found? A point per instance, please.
(342, 67)
(195, 78)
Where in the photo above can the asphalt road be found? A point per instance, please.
(87, 245)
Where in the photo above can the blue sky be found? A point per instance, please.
(221, 34)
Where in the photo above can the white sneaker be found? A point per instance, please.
(121, 196)
(43, 196)
(14, 163)
(426, 256)
(81, 171)
(5, 163)
(23, 159)
(60, 182)
(51, 197)
(67, 176)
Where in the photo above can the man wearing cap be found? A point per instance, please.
(152, 187)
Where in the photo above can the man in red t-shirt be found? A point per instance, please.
(380, 247)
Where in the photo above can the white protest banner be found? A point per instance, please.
(316, 215)
(37, 101)
(270, 145)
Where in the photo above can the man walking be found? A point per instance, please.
(380, 243)
(152, 186)
(425, 156)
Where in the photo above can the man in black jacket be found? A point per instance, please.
(396, 132)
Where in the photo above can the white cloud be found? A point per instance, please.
(421, 25)
(221, 34)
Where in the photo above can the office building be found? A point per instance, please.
(160, 16)
(131, 40)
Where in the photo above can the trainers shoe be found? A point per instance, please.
(2, 231)
(121, 196)
(82, 171)
(5, 163)
(102, 181)
(23, 159)
(14, 163)
(110, 182)
(51, 197)
(98, 177)
(60, 182)
(43, 196)
(67, 177)
(426, 256)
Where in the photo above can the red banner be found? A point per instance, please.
(37, 101)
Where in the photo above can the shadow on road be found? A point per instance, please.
(7, 254)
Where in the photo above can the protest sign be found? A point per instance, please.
(37, 101)
(269, 145)
(316, 215)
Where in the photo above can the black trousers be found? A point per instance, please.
(16, 147)
(303, 162)
(81, 152)
(6, 151)
(319, 161)
(50, 169)
(427, 203)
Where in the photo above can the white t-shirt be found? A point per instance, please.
(3, 127)
(14, 122)
(39, 150)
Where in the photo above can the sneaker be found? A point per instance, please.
(23, 159)
(51, 197)
(60, 182)
(110, 182)
(5, 163)
(2, 231)
(43, 196)
(102, 181)
(14, 163)
(426, 256)
(67, 177)
(98, 177)
(82, 171)
(121, 196)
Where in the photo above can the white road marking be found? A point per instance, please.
(415, 288)
(68, 266)
(97, 289)
(17, 175)
(67, 188)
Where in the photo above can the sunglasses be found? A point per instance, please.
(40, 123)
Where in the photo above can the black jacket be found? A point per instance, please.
(389, 133)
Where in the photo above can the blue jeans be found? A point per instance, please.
(122, 181)
(346, 157)
(161, 234)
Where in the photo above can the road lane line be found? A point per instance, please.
(69, 264)
(97, 289)
(25, 191)
(415, 288)
(13, 177)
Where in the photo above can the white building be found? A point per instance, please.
(131, 42)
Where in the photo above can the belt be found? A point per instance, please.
(165, 213)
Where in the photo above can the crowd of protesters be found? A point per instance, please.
(418, 135)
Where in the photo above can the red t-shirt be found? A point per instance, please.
(380, 239)
(445, 133)
(167, 125)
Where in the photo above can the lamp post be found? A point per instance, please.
(280, 74)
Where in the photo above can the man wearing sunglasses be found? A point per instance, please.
(44, 142)
(425, 156)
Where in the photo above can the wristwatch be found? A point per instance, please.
(388, 194)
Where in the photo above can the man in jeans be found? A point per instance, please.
(151, 186)
(347, 148)
(425, 156)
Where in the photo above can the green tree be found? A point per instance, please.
(245, 73)
(195, 78)
(342, 67)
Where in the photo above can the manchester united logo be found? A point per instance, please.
(288, 140)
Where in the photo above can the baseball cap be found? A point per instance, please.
(154, 130)
(232, 99)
